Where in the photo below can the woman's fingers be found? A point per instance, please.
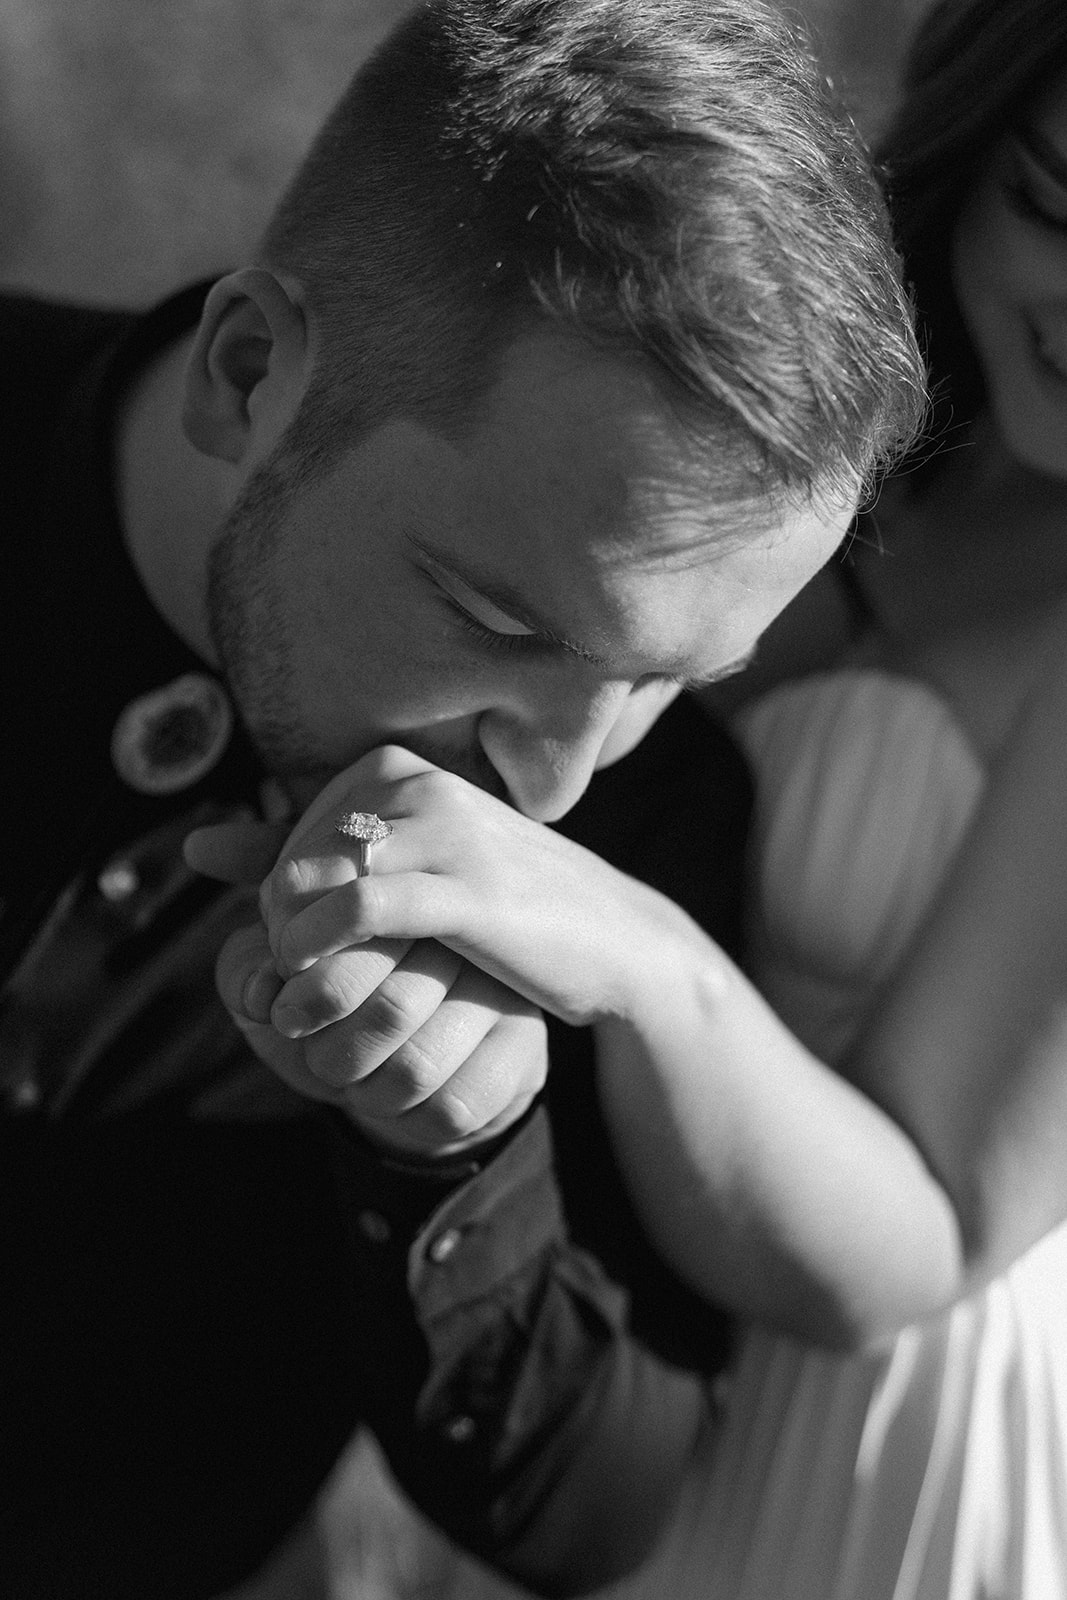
(420, 905)
(423, 806)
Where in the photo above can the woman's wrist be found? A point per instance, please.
(672, 970)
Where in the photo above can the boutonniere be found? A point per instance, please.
(170, 738)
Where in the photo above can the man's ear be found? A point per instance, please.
(249, 364)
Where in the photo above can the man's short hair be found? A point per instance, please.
(668, 177)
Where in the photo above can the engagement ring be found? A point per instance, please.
(367, 829)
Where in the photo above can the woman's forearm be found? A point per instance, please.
(967, 1048)
(837, 1204)
(766, 1180)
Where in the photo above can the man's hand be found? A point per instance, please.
(379, 1010)
(430, 1056)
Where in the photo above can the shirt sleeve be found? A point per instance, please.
(504, 1380)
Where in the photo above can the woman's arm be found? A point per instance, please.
(840, 1209)
(765, 1179)
(967, 1049)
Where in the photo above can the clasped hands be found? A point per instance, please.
(413, 997)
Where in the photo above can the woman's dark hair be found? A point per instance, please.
(973, 67)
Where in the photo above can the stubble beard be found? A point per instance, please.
(253, 641)
(249, 629)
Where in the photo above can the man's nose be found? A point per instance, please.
(547, 752)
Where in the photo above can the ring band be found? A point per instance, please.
(367, 829)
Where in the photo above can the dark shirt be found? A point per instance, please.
(209, 1282)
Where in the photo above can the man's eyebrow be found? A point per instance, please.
(1042, 150)
(506, 598)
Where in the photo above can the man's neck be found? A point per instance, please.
(171, 498)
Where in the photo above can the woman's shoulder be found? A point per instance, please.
(865, 783)
(853, 715)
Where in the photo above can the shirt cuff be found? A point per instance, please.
(452, 1230)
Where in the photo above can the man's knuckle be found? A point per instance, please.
(287, 948)
(448, 1117)
(330, 1063)
(388, 1013)
(416, 1074)
(339, 989)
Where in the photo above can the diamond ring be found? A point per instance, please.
(367, 829)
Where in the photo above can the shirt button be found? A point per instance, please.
(374, 1227)
(443, 1246)
(21, 1094)
(460, 1430)
(118, 880)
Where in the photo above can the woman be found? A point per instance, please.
(939, 1467)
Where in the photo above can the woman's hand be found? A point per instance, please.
(527, 906)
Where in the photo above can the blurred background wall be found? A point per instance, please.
(142, 141)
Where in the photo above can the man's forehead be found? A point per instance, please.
(568, 428)
(586, 510)
(582, 412)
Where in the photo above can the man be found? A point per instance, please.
(559, 371)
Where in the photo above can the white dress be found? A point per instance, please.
(938, 1470)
